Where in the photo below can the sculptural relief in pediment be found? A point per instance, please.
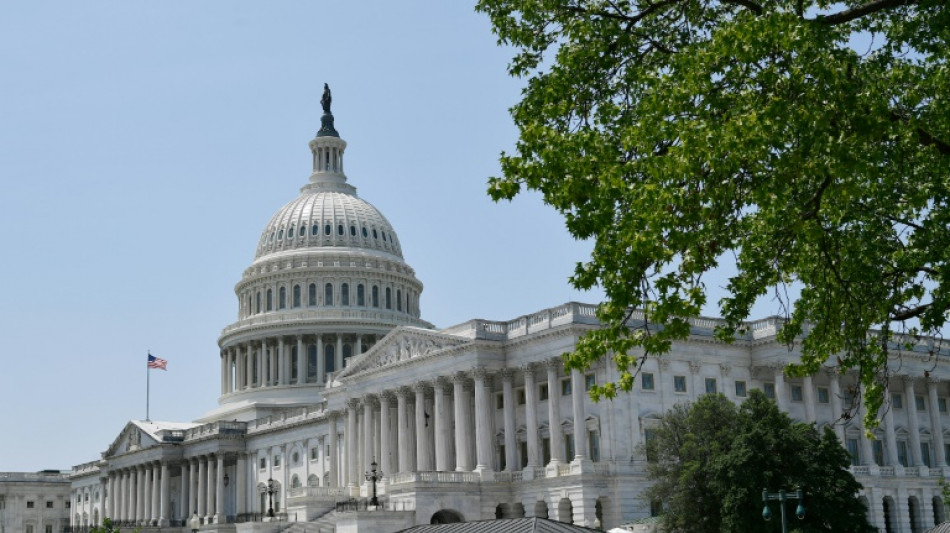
(402, 348)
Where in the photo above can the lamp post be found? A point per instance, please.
(782, 496)
(271, 490)
(374, 476)
(194, 523)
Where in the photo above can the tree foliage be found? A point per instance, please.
(711, 460)
(806, 141)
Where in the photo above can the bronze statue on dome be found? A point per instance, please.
(327, 99)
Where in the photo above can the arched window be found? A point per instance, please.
(352, 231)
(375, 296)
(270, 300)
(314, 229)
(312, 295)
(375, 235)
(345, 294)
(398, 300)
(296, 295)
(282, 298)
(339, 229)
(295, 482)
(326, 229)
(258, 305)
(311, 363)
(290, 232)
(364, 233)
(329, 359)
(389, 298)
(360, 297)
(250, 306)
(328, 294)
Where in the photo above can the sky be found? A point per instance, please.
(145, 145)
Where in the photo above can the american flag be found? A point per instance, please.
(156, 362)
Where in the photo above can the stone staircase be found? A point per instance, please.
(325, 523)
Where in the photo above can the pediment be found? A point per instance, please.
(132, 438)
(401, 346)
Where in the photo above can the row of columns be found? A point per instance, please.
(417, 448)
(139, 494)
(275, 365)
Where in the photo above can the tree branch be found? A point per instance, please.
(857, 12)
(630, 19)
(913, 312)
(752, 6)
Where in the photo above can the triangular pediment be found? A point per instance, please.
(402, 346)
(142, 434)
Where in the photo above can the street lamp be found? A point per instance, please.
(271, 490)
(782, 496)
(194, 523)
(374, 476)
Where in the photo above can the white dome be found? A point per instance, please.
(323, 219)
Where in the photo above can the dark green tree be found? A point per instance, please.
(711, 460)
(805, 141)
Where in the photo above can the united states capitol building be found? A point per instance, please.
(330, 371)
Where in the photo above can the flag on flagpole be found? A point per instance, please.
(157, 362)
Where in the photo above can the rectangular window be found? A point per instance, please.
(897, 402)
(942, 405)
(740, 389)
(878, 448)
(542, 392)
(648, 436)
(646, 381)
(314, 453)
(263, 463)
(523, 452)
(919, 401)
(593, 441)
(502, 458)
(29, 505)
(49, 528)
(546, 450)
(569, 447)
(769, 390)
(276, 461)
(853, 450)
(566, 389)
(711, 386)
(499, 401)
(49, 505)
(521, 397)
(29, 528)
(823, 395)
(902, 452)
(925, 453)
(679, 383)
(797, 393)
(589, 381)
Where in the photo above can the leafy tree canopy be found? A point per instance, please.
(808, 141)
(711, 460)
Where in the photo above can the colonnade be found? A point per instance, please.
(285, 360)
(139, 494)
(446, 424)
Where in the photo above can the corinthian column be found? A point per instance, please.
(402, 431)
(531, 415)
(508, 401)
(441, 426)
(554, 412)
(580, 421)
(385, 461)
(463, 459)
(352, 455)
(334, 457)
(936, 427)
(423, 452)
(483, 437)
(912, 421)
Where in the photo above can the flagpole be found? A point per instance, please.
(148, 375)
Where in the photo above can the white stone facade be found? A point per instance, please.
(329, 367)
(36, 503)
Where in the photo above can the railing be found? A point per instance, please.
(602, 468)
(912, 471)
(317, 492)
(509, 476)
(255, 517)
(216, 428)
(887, 471)
(859, 470)
(434, 477)
(564, 469)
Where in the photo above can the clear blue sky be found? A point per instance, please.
(144, 145)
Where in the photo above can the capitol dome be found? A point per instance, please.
(328, 281)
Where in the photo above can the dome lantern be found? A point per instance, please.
(327, 147)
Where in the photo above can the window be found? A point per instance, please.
(542, 392)
(329, 357)
(569, 446)
(521, 397)
(942, 405)
(546, 450)
(375, 296)
(769, 390)
(740, 389)
(339, 229)
(352, 231)
(648, 436)
(896, 401)
(822, 394)
(276, 461)
(314, 453)
(389, 298)
(296, 295)
(878, 447)
(258, 304)
(502, 459)
(270, 300)
(312, 295)
(499, 401)
(925, 453)
(263, 463)
(656, 508)
(919, 401)
(360, 296)
(589, 381)
(312, 362)
(902, 452)
(49, 528)
(679, 383)
(566, 389)
(327, 229)
(853, 450)
(646, 381)
(797, 393)
(29, 504)
(398, 300)
(293, 363)
(282, 298)
(29, 527)
(314, 229)
(49, 505)
(593, 444)
(711, 385)
(523, 452)
(345, 294)
(328, 294)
